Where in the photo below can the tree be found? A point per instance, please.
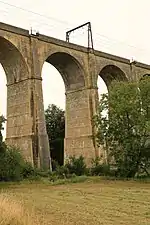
(125, 129)
(55, 124)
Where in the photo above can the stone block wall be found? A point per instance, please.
(19, 119)
(78, 137)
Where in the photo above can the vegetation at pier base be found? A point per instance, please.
(12, 165)
(124, 131)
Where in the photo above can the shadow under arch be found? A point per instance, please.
(112, 73)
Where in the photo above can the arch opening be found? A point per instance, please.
(67, 76)
(107, 75)
(15, 68)
(102, 88)
(69, 69)
(54, 105)
(112, 73)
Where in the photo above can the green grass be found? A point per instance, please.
(89, 201)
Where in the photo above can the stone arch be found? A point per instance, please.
(18, 126)
(69, 68)
(12, 61)
(110, 73)
(77, 101)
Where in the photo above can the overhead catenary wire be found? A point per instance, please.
(60, 21)
(36, 13)
(101, 40)
(120, 42)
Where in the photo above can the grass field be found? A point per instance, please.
(103, 202)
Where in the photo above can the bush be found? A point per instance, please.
(76, 179)
(98, 169)
(13, 167)
(62, 171)
(28, 170)
(42, 173)
(53, 176)
(76, 166)
(54, 164)
(101, 169)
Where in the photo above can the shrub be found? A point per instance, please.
(76, 179)
(76, 166)
(53, 176)
(98, 168)
(42, 173)
(54, 164)
(101, 169)
(11, 165)
(28, 170)
(62, 171)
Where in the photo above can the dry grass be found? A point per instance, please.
(13, 212)
(88, 203)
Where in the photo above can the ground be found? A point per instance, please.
(90, 203)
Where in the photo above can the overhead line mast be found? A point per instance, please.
(90, 38)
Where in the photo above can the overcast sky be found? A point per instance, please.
(120, 27)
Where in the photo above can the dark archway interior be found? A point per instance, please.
(57, 152)
(110, 73)
(73, 77)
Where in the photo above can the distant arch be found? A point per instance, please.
(110, 73)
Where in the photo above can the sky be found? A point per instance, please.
(119, 27)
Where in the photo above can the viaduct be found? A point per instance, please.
(22, 56)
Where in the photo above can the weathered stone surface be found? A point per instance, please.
(22, 57)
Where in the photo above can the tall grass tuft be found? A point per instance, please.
(14, 213)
